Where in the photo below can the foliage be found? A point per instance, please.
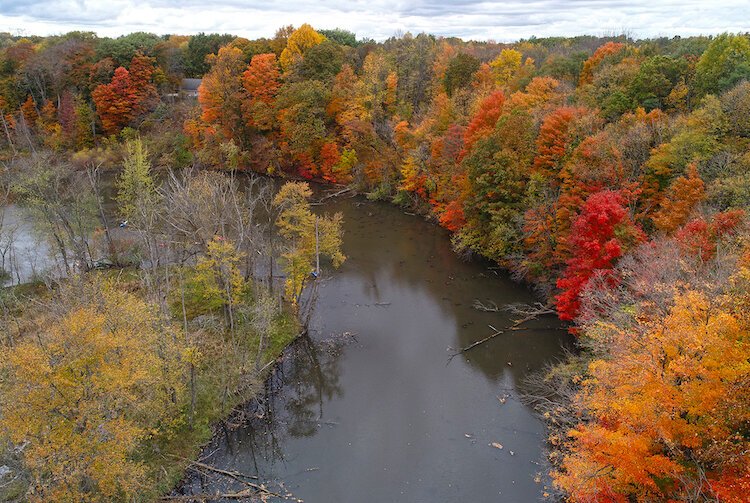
(86, 391)
(306, 234)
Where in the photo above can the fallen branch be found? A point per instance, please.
(247, 493)
(335, 194)
(239, 477)
(516, 325)
(477, 343)
(233, 474)
(209, 497)
(487, 308)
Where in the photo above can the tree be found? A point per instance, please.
(135, 187)
(199, 47)
(724, 63)
(601, 234)
(308, 236)
(303, 39)
(220, 93)
(666, 410)
(128, 96)
(591, 64)
(656, 78)
(505, 66)
(559, 135)
(460, 72)
(86, 390)
(218, 280)
(261, 81)
(322, 61)
(483, 122)
(341, 36)
(684, 193)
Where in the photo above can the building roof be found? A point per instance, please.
(190, 84)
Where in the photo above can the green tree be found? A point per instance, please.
(725, 62)
(136, 190)
(460, 72)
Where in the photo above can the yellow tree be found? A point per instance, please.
(86, 390)
(304, 38)
(218, 278)
(308, 236)
(506, 65)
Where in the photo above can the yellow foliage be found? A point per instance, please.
(303, 38)
(296, 223)
(506, 65)
(85, 391)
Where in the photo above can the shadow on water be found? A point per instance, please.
(369, 409)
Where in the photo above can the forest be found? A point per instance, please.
(612, 174)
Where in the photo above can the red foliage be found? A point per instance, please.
(484, 120)
(699, 238)
(732, 485)
(329, 157)
(600, 234)
(452, 217)
(67, 116)
(306, 167)
(127, 96)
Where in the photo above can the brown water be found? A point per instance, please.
(382, 415)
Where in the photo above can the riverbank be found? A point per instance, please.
(224, 377)
(381, 414)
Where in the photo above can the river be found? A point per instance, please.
(370, 409)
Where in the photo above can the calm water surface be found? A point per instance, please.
(381, 415)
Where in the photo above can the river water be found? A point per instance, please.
(370, 409)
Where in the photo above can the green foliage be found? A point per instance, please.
(199, 46)
(341, 36)
(322, 62)
(655, 79)
(136, 190)
(306, 235)
(122, 49)
(725, 62)
(460, 72)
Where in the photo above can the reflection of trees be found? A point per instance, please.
(386, 246)
(315, 379)
(292, 403)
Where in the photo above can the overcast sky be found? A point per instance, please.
(379, 19)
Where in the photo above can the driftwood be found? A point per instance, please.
(252, 488)
(335, 194)
(245, 494)
(531, 312)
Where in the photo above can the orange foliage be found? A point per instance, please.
(28, 109)
(555, 139)
(261, 82)
(666, 403)
(608, 49)
(684, 193)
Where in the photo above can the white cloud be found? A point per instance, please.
(379, 19)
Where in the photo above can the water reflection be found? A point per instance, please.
(24, 254)
(384, 416)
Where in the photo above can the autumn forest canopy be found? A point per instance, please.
(611, 174)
